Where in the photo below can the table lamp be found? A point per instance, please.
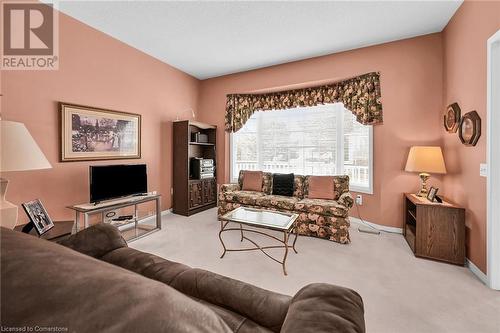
(425, 160)
(19, 152)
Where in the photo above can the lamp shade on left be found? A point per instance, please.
(19, 151)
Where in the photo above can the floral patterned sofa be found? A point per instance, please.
(321, 218)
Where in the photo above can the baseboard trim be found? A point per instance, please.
(476, 271)
(166, 212)
(393, 230)
(163, 214)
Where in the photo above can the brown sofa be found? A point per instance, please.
(321, 218)
(95, 283)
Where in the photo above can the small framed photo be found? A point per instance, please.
(38, 216)
(452, 117)
(431, 195)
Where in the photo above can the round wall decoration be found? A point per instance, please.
(452, 118)
(470, 128)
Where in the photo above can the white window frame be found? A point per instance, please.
(369, 189)
(340, 158)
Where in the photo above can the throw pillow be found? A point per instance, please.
(252, 181)
(283, 184)
(321, 187)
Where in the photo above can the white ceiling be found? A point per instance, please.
(208, 39)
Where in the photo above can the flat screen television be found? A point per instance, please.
(114, 181)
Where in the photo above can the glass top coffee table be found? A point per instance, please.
(262, 219)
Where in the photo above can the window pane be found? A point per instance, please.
(300, 140)
(356, 151)
(304, 141)
(245, 148)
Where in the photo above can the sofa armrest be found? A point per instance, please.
(321, 307)
(346, 200)
(96, 241)
(229, 187)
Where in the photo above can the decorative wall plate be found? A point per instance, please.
(470, 128)
(452, 118)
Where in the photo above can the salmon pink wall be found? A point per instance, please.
(464, 40)
(419, 76)
(411, 84)
(95, 70)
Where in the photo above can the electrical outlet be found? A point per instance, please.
(483, 169)
(359, 200)
(171, 191)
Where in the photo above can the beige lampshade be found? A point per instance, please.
(19, 150)
(425, 159)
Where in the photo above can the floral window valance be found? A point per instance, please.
(360, 95)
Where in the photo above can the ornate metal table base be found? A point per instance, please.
(286, 236)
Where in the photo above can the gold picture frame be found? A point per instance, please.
(90, 133)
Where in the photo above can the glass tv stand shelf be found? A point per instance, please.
(131, 229)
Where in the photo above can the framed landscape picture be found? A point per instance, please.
(89, 133)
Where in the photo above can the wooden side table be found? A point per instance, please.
(434, 230)
(60, 231)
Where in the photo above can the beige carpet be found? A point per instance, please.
(401, 293)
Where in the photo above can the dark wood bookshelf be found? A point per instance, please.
(190, 195)
(434, 230)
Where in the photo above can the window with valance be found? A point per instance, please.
(360, 95)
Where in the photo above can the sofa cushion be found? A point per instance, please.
(205, 287)
(48, 285)
(283, 184)
(252, 181)
(232, 300)
(321, 187)
(277, 201)
(235, 321)
(341, 185)
(95, 241)
(321, 206)
(264, 307)
(243, 197)
(267, 181)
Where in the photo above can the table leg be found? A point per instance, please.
(295, 240)
(222, 226)
(285, 241)
(158, 213)
(136, 217)
(77, 221)
(85, 220)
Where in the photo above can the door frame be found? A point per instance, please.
(493, 162)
